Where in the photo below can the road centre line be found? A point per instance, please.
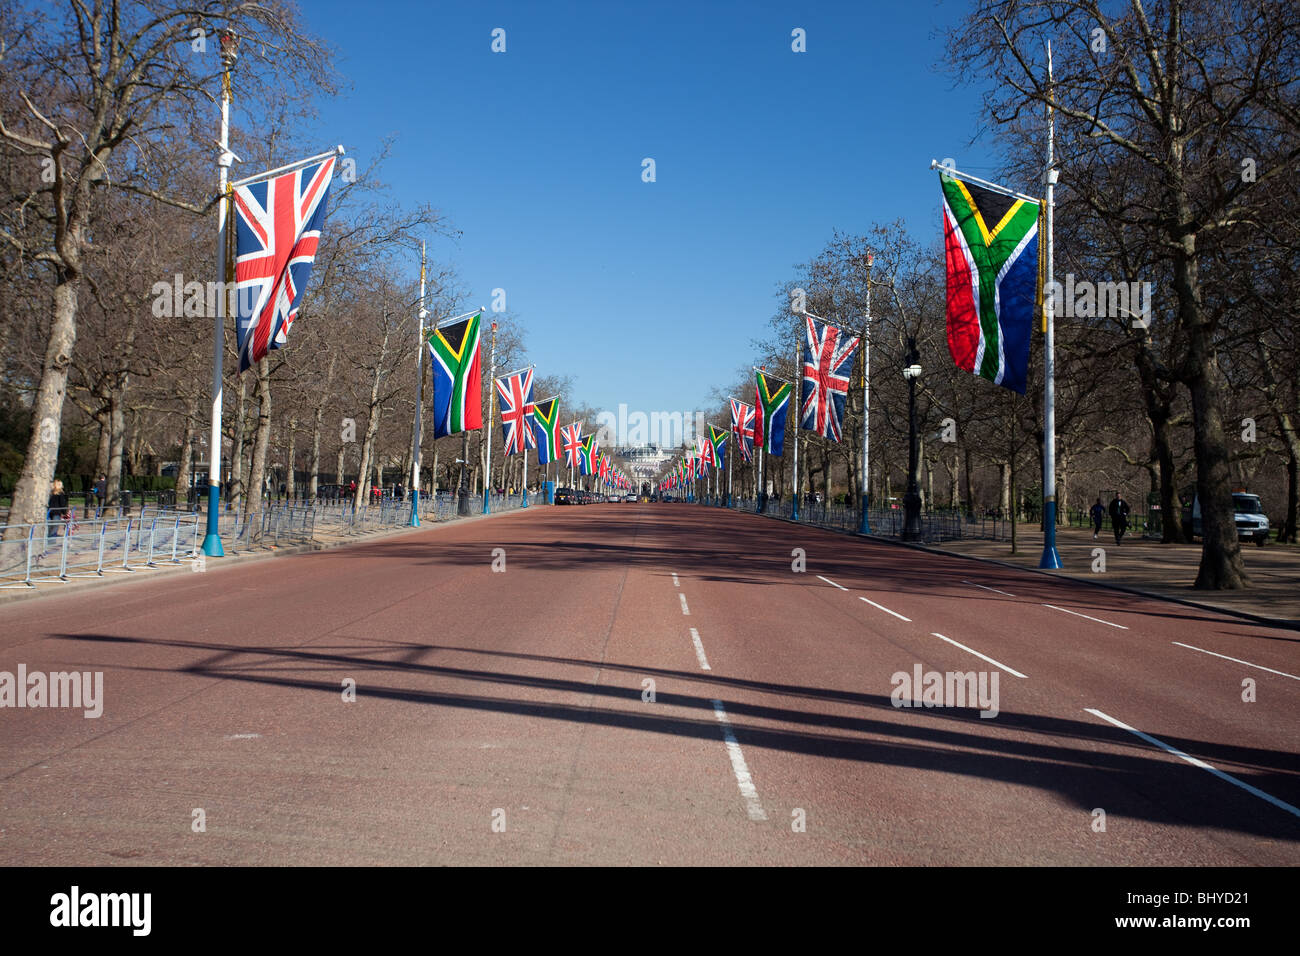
(997, 664)
(675, 584)
(699, 650)
(685, 610)
(986, 588)
(829, 581)
(1254, 791)
(1236, 660)
(1077, 614)
(738, 765)
(886, 610)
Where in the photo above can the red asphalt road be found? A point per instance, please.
(500, 717)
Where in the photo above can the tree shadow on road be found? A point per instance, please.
(1086, 763)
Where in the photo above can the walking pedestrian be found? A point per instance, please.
(57, 508)
(1119, 511)
(1098, 512)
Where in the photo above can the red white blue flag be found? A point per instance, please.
(826, 368)
(742, 423)
(571, 444)
(278, 225)
(516, 393)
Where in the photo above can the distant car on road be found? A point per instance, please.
(566, 496)
(1251, 521)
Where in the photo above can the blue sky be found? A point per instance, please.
(649, 293)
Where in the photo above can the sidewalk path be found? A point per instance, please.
(1165, 570)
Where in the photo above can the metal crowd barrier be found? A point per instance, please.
(60, 550)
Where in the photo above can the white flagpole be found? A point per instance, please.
(212, 538)
(729, 457)
(1050, 557)
(864, 524)
(289, 167)
(798, 368)
(967, 177)
(492, 405)
(419, 390)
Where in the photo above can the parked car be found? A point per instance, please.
(1252, 523)
(566, 496)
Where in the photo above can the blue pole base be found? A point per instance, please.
(1050, 560)
(415, 510)
(487, 503)
(212, 540)
(864, 526)
(525, 502)
(794, 509)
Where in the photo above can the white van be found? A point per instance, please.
(1252, 523)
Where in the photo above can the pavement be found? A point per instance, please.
(647, 684)
(1166, 570)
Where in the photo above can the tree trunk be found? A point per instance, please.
(289, 488)
(262, 438)
(971, 504)
(104, 420)
(32, 491)
(237, 489)
(116, 445)
(189, 435)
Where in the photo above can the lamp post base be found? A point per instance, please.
(1050, 560)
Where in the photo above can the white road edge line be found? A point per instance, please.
(997, 664)
(986, 588)
(829, 581)
(1236, 660)
(699, 650)
(886, 610)
(738, 765)
(1077, 614)
(1255, 791)
(685, 609)
(675, 584)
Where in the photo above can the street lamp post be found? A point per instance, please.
(912, 499)
(864, 526)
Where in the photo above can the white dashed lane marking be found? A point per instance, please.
(1254, 791)
(997, 664)
(886, 610)
(1089, 617)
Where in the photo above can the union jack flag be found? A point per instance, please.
(704, 454)
(277, 230)
(571, 442)
(742, 423)
(825, 377)
(516, 393)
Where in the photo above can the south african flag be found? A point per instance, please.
(771, 402)
(457, 379)
(545, 414)
(718, 439)
(991, 247)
